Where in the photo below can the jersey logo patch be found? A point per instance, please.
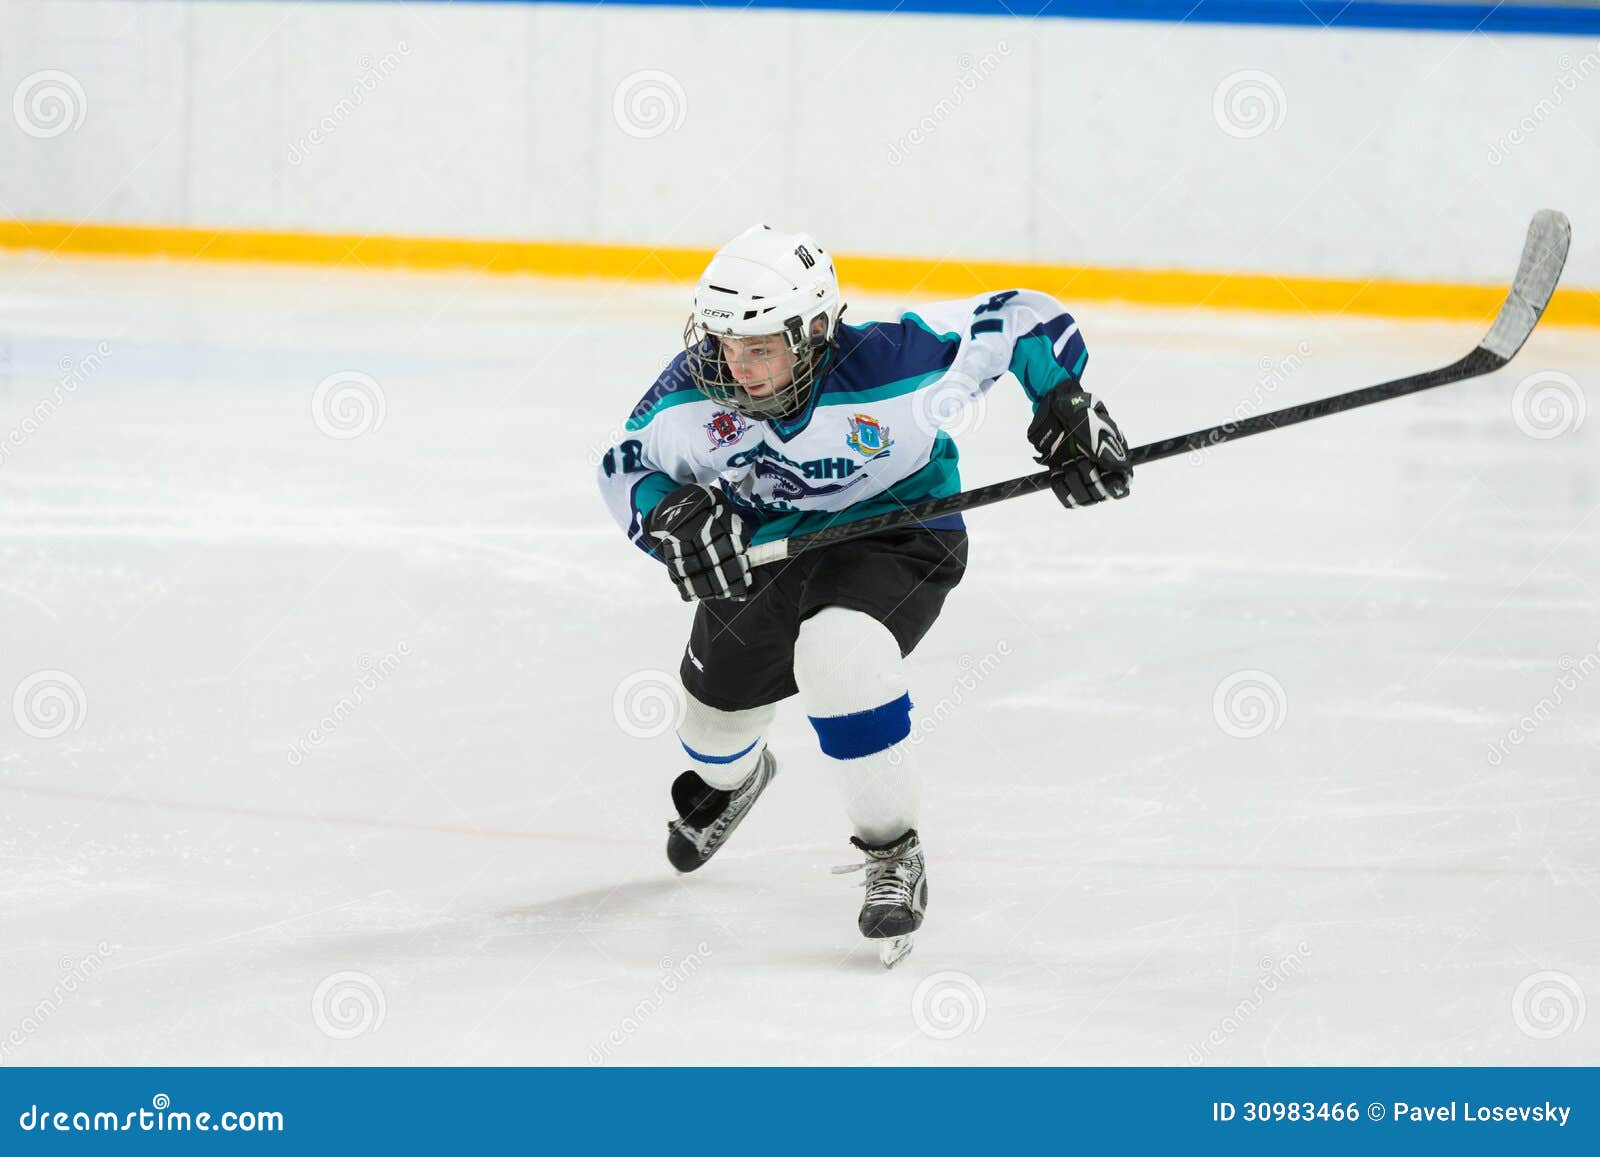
(787, 486)
(726, 427)
(867, 437)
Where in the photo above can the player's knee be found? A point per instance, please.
(851, 675)
(845, 660)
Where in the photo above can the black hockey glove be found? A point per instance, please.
(1077, 439)
(701, 538)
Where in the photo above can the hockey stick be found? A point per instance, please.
(1543, 255)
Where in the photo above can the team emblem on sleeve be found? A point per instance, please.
(867, 437)
(726, 427)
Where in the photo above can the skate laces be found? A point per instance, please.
(889, 882)
(889, 879)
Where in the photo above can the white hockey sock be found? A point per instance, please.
(723, 745)
(852, 679)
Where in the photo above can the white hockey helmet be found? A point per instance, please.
(764, 283)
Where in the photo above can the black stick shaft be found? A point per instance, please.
(1479, 361)
(1544, 254)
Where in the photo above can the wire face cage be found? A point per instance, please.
(777, 395)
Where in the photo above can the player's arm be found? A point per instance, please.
(1020, 330)
(1036, 339)
(633, 483)
(649, 480)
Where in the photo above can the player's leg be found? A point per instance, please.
(853, 683)
(734, 670)
(865, 606)
(852, 680)
(724, 746)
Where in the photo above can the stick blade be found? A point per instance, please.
(1544, 254)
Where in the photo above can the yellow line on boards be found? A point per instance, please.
(949, 277)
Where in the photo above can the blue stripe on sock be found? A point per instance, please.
(695, 755)
(864, 732)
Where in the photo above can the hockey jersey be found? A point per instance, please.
(868, 439)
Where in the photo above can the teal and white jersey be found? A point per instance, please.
(868, 439)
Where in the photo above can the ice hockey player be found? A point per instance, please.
(776, 420)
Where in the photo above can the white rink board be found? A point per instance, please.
(1353, 153)
(1112, 871)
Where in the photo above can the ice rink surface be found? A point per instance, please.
(339, 749)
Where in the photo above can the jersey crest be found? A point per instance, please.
(867, 437)
(726, 427)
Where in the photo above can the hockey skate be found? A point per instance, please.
(707, 815)
(897, 894)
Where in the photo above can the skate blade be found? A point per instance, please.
(894, 950)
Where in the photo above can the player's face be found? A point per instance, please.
(761, 365)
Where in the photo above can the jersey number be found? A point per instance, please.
(630, 458)
(993, 305)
